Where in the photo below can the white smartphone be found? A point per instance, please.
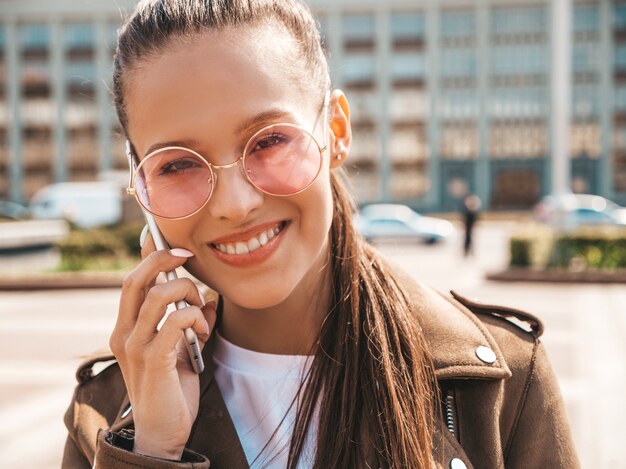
(191, 339)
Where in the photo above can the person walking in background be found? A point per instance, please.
(471, 206)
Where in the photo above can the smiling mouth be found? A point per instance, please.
(251, 244)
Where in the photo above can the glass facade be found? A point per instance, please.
(444, 95)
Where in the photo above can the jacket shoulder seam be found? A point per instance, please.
(522, 401)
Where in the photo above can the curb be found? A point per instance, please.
(557, 276)
(61, 282)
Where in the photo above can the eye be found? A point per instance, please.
(178, 166)
(269, 141)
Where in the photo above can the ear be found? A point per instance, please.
(341, 131)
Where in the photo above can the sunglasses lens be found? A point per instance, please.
(282, 160)
(173, 183)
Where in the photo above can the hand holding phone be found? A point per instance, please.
(191, 339)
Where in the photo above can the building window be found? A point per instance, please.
(461, 103)
(586, 18)
(79, 36)
(458, 62)
(359, 69)
(620, 16)
(359, 32)
(586, 140)
(80, 77)
(407, 28)
(2, 40)
(620, 56)
(459, 141)
(585, 99)
(408, 66)
(620, 97)
(458, 24)
(585, 57)
(518, 139)
(519, 21)
(34, 37)
(519, 59)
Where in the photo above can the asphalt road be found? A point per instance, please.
(44, 334)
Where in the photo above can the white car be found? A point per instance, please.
(400, 222)
(572, 210)
(85, 204)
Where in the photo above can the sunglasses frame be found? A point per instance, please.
(134, 168)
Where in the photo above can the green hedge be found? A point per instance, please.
(594, 248)
(107, 248)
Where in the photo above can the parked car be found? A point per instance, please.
(400, 222)
(85, 204)
(13, 211)
(572, 210)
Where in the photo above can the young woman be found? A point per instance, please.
(318, 353)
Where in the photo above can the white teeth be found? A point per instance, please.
(241, 248)
(252, 244)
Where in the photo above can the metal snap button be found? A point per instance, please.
(456, 463)
(485, 354)
(126, 411)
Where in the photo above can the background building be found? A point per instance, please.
(447, 96)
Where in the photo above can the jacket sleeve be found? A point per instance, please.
(541, 436)
(72, 457)
(114, 450)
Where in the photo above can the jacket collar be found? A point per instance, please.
(453, 334)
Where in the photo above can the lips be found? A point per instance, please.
(251, 247)
(251, 244)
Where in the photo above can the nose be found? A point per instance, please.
(233, 198)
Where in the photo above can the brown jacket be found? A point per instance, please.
(501, 405)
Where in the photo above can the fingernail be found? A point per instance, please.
(142, 236)
(202, 300)
(180, 252)
(206, 323)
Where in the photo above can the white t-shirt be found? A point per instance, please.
(258, 389)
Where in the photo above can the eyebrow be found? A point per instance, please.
(272, 115)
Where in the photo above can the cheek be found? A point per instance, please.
(178, 233)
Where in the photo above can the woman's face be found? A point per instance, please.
(211, 94)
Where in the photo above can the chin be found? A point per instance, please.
(259, 298)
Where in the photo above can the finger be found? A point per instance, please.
(210, 315)
(175, 324)
(140, 279)
(148, 246)
(153, 308)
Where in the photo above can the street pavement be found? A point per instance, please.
(44, 334)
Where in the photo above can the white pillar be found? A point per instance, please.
(103, 97)
(561, 95)
(13, 45)
(432, 87)
(57, 65)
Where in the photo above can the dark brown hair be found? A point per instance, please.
(372, 376)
